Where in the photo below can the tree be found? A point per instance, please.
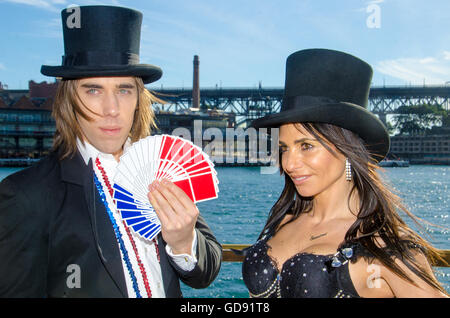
(418, 119)
(446, 120)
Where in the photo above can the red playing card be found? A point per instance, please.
(176, 148)
(173, 152)
(204, 187)
(197, 158)
(198, 166)
(185, 185)
(190, 156)
(199, 171)
(194, 170)
(166, 145)
(183, 154)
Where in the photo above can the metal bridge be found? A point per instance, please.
(252, 103)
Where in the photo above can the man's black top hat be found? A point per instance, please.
(102, 41)
(326, 86)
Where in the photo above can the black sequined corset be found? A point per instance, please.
(302, 275)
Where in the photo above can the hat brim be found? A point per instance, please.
(346, 115)
(149, 73)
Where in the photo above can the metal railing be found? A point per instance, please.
(230, 256)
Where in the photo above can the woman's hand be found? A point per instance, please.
(177, 213)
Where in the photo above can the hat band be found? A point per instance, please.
(97, 58)
(294, 102)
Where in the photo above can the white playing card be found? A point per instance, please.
(155, 158)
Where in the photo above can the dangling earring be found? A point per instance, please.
(348, 170)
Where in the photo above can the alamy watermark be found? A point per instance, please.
(231, 145)
(74, 278)
(373, 21)
(373, 280)
(73, 20)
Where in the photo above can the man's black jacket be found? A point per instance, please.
(51, 217)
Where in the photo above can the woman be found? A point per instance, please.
(334, 231)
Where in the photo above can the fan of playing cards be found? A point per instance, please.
(155, 158)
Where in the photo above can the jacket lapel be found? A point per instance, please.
(75, 171)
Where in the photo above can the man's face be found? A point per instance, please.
(111, 103)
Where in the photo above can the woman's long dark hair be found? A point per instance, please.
(377, 217)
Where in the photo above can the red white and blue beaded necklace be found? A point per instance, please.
(133, 272)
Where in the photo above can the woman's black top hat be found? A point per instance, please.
(102, 41)
(326, 86)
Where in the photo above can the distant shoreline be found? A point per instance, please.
(23, 162)
(26, 162)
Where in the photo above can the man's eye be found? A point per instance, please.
(306, 146)
(92, 91)
(281, 149)
(124, 91)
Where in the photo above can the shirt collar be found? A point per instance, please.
(88, 151)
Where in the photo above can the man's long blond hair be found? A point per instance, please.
(66, 108)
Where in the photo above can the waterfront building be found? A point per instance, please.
(27, 129)
(417, 149)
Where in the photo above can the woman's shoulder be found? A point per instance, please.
(372, 267)
(377, 247)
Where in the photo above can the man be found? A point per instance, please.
(60, 234)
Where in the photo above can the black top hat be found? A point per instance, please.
(102, 41)
(326, 86)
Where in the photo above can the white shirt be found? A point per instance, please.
(146, 249)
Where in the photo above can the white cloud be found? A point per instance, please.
(58, 5)
(2, 67)
(446, 55)
(433, 70)
(42, 4)
(364, 9)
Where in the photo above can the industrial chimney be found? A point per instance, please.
(195, 85)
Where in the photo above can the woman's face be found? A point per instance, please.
(311, 167)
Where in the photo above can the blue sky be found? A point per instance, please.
(242, 43)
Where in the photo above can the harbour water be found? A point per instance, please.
(246, 197)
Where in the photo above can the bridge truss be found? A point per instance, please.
(251, 103)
